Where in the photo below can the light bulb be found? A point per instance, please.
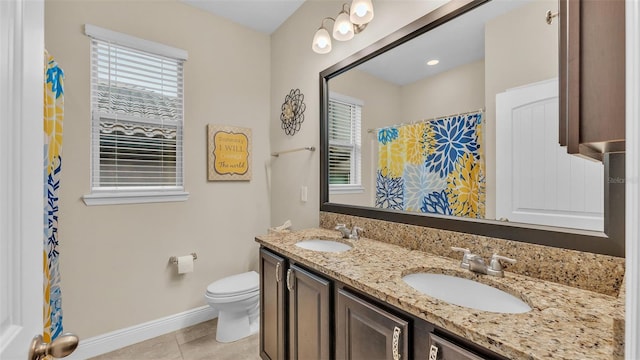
(321, 41)
(362, 12)
(343, 28)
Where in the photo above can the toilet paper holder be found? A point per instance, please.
(174, 259)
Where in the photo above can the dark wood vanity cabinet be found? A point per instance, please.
(365, 331)
(592, 76)
(306, 316)
(273, 303)
(294, 311)
(309, 317)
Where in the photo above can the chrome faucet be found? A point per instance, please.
(349, 234)
(476, 263)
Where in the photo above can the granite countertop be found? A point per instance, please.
(564, 323)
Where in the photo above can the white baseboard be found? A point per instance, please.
(114, 340)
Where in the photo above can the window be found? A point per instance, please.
(344, 144)
(137, 120)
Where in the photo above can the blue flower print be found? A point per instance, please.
(387, 135)
(389, 192)
(453, 137)
(436, 203)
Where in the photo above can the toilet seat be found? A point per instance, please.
(236, 286)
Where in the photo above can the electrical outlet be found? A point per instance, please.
(303, 193)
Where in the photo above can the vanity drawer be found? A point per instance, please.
(441, 349)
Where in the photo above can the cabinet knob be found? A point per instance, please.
(278, 276)
(396, 340)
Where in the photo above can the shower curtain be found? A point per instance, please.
(53, 117)
(433, 167)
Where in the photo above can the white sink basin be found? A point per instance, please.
(467, 293)
(323, 245)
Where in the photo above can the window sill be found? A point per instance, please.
(113, 198)
(345, 189)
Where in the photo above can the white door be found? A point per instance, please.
(537, 181)
(21, 179)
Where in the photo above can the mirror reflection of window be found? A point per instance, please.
(345, 116)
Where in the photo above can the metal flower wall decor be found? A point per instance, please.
(292, 114)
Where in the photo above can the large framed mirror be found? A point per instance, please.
(452, 123)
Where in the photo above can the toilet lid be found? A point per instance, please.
(235, 284)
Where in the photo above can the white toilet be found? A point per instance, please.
(237, 298)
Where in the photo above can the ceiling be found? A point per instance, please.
(456, 43)
(261, 15)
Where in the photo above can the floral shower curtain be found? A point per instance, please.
(53, 117)
(433, 167)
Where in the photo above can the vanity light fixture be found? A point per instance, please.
(345, 25)
(433, 62)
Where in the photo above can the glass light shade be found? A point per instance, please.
(361, 11)
(321, 41)
(343, 28)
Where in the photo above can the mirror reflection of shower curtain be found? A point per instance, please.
(434, 167)
(53, 118)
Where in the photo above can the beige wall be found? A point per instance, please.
(114, 259)
(458, 90)
(295, 65)
(520, 48)
(381, 107)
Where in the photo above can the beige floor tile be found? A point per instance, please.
(164, 347)
(196, 331)
(208, 348)
(197, 342)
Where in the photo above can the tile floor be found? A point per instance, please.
(197, 342)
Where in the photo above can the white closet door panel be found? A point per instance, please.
(537, 181)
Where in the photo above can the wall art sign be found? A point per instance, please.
(229, 153)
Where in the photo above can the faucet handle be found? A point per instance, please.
(465, 258)
(340, 226)
(495, 262)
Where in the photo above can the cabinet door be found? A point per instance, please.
(309, 324)
(442, 349)
(592, 76)
(272, 306)
(364, 331)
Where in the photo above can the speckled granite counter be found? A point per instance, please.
(565, 323)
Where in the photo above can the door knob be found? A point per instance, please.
(64, 345)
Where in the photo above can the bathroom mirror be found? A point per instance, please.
(452, 123)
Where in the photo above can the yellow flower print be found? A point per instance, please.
(396, 158)
(414, 137)
(391, 158)
(466, 198)
(429, 140)
(480, 133)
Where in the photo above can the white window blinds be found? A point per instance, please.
(137, 119)
(344, 141)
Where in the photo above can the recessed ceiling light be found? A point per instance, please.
(433, 62)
